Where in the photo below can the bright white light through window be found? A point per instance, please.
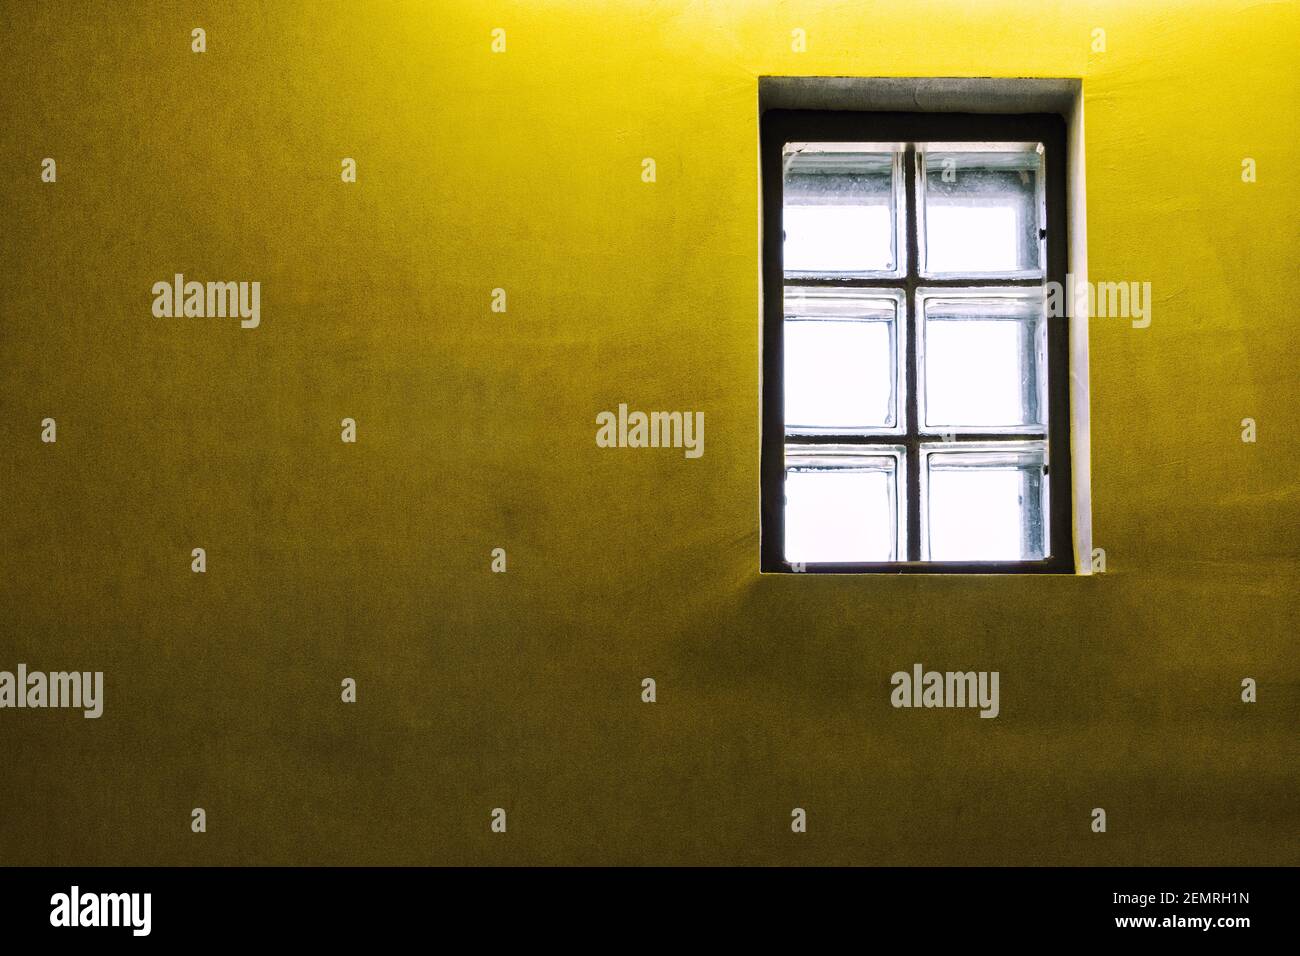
(972, 238)
(969, 419)
(971, 373)
(975, 515)
(982, 514)
(840, 364)
(845, 513)
(839, 209)
(982, 211)
(838, 239)
(983, 358)
(837, 373)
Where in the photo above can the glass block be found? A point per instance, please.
(982, 209)
(985, 503)
(840, 209)
(841, 505)
(841, 360)
(983, 359)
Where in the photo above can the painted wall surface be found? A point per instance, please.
(522, 170)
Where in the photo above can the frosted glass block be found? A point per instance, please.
(840, 209)
(984, 360)
(985, 505)
(841, 369)
(982, 211)
(840, 505)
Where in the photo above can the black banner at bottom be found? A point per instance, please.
(660, 907)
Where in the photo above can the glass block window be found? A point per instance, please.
(915, 397)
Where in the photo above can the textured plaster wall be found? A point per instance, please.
(476, 430)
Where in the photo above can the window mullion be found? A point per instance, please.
(909, 371)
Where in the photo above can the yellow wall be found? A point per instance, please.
(477, 690)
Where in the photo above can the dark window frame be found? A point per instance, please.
(779, 127)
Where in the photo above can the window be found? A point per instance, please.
(915, 389)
